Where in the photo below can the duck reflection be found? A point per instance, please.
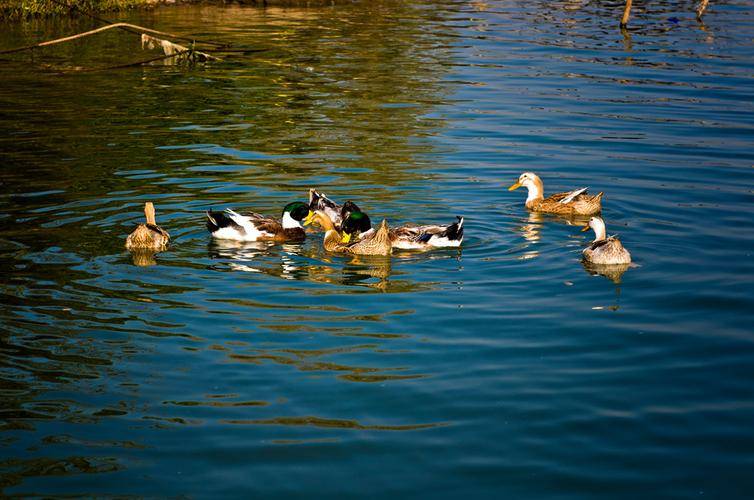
(532, 227)
(143, 257)
(251, 257)
(306, 263)
(613, 272)
(363, 268)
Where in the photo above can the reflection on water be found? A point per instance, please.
(143, 257)
(530, 231)
(612, 272)
(505, 367)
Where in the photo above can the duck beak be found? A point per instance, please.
(345, 238)
(585, 229)
(514, 186)
(309, 218)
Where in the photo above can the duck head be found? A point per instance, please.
(294, 213)
(532, 182)
(356, 222)
(598, 225)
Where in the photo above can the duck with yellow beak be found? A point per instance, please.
(604, 250)
(570, 203)
(378, 244)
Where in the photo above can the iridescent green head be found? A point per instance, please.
(356, 222)
(296, 210)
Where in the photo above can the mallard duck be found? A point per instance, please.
(250, 226)
(319, 201)
(377, 244)
(148, 236)
(604, 249)
(576, 202)
(406, 237)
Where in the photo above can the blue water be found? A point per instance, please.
(505, 368)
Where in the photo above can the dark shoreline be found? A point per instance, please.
(11, 10)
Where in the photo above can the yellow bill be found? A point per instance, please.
(309, 218)
(584, 229)
(514, 186)
(345, 238)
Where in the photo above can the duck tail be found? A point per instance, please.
(219, 220)
(314, 197)
(382, 232)
(454, 232)
(451, 236)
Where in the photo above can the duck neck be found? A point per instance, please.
(289, 222)
(332, 240)
(536, 191)
(600, 232)
(149, 213)
(325, 221)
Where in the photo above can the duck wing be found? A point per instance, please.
(433, 235)
(610, 240)
(249, 226)
(571, 195)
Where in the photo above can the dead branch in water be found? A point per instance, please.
(134, 27)
(129, 28)
(626, 14)
(700, 10)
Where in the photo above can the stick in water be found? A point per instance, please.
(626, 14)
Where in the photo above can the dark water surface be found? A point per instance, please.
(504, 369)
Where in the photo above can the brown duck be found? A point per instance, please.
(576, 202)
(148, 236)
(604, 250)
(377, 244)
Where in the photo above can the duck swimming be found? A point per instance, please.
(576, 202)
(604, 250)
(407, 237)
(250, 226)
(148, 236)
(336, 213)
(378, 243)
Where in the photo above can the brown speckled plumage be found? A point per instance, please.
(376, 244)
(604, 250)
(570, 203)
(150, 235)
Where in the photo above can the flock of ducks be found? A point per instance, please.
(348, 229)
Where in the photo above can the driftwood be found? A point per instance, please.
(133, 27)
(700, 10)
(627, 12)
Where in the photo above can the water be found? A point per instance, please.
(504, 368)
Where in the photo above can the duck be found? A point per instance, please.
(148, 236)
(377, 244)
(250, 226)
(320, 201)
(576, 202)
(407, 237)
(604, 250)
